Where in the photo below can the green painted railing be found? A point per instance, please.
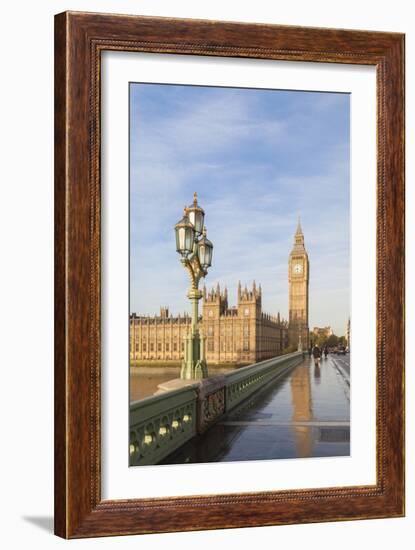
(164, 422)
(243, 382)
(161, 423)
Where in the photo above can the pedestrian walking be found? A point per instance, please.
(316, 355)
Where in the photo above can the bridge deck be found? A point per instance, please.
(306, 413)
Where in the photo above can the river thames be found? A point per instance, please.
(144, 380)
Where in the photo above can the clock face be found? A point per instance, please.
(298, 268)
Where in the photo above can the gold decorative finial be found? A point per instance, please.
(195, 198)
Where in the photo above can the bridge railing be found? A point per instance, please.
(243, 382)
(162, 423)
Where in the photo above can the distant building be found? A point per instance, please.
(159, 336)
(298, 278)
(243, 333)
(239, 334)
(322, 332)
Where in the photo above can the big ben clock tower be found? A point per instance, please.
(298, 276)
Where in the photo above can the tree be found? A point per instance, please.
(332, 341)
(342, 341)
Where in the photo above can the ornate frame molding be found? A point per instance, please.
(79, 40)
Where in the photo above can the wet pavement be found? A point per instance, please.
(342, 362)
(304, 414)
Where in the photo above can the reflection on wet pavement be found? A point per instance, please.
(304, 414)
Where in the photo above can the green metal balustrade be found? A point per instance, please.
(162, 423)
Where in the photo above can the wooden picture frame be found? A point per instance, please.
(79, 40)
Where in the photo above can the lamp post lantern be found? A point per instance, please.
(196, 251)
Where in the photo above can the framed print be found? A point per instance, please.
(229, 275)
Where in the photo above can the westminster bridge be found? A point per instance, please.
(285, 407)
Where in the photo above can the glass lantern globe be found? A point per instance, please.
(196, 215)
(205, 251)
(185, 235)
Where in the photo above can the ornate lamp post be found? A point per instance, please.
(196, 256)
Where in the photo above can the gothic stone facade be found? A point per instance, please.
(243, 333)
(238, 334)
(298, 278)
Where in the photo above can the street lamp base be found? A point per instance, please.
(194, 371)
(194, 366)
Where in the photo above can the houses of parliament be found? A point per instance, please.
(234, 334)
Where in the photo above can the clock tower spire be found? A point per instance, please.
(298, 277)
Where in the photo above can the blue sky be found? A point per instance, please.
(258, 159)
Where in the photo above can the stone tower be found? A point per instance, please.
(298, 277)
